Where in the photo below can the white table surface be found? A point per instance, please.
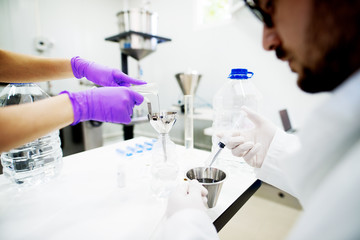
(85, 201)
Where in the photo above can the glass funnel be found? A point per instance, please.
(164, 165)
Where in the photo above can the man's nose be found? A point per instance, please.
(271, 39)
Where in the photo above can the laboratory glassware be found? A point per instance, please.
(164, 167)
(36, 161)
(188, 82)
(151, 103)
(189, 121)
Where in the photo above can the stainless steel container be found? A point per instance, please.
(211, 178)
(142, 21)
(188, 82)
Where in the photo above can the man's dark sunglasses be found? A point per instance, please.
(259, 13)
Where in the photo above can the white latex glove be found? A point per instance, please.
(189, 194)
(254, 143)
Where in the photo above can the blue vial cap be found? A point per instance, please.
(139, 150)
(139, 146)
(130, 149)
(120, 151)
(240, 73)
(124, 153)
(128, 154)
(148, 144)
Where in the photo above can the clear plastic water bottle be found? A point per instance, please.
(39, 160)
(238, 91)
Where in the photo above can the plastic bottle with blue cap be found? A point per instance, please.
(238, 91)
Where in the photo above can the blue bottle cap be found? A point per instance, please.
(240, 73)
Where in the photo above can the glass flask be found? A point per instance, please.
(164, 167)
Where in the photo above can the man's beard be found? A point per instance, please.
(329, 73)
(332, 45)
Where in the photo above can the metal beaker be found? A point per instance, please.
(211, 178)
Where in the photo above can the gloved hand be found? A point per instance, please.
(254, 143)
(101, 75)
(189, 194)
(106, 104)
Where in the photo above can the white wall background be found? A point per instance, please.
(79, 27)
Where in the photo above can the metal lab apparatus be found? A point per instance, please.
(142, 21)
(137, 39)
(188, 82)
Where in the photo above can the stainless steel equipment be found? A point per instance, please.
(188, 82)
(211, 180)
(162, 122)
(138, 20)
(137, 38)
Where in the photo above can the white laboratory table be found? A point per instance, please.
(86, 202)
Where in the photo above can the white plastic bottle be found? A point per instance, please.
(238, 91)
(39, 160)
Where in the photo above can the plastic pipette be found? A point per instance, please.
(224, 139)
(216, 153)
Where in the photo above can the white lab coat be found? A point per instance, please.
(324, 173)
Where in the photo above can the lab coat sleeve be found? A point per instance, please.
(281, 148)
(189, 224)
(333, 211)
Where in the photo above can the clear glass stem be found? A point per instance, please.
(163, 143)
(189, 121)
(140, 71)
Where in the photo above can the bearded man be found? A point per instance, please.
(321, 165)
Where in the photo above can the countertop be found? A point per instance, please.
(86, 202)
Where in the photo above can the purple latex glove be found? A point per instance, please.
(106, 104)
(101, 75)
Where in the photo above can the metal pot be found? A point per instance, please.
(140, 21)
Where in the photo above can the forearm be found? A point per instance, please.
(21, 124)
(16, 67)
